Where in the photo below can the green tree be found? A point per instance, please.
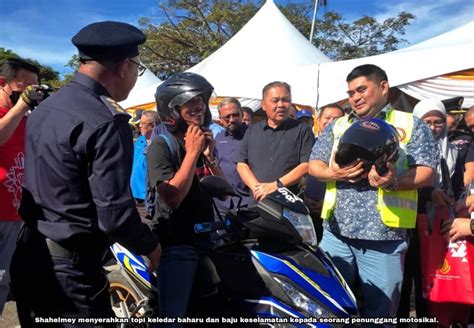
(192, 30)
(363, 37)
(187, 31)
(47, 74)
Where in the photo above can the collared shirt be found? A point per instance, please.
(356, 215)
(138, 177)
(227, 146)
(78, 161)
(272, 153)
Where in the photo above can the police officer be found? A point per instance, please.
(76, 195)
(457, 132)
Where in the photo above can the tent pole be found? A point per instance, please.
(313, 21)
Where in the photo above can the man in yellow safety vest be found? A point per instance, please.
(367, 214)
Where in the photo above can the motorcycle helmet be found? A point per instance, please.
(176, 91)
(373, 141)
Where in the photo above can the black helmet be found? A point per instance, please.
(374, 141)
(177, 90)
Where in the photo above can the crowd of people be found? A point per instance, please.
(73, 179)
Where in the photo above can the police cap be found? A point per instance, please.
(453, 105)
(108, 40)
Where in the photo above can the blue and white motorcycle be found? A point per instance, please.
(265, 264)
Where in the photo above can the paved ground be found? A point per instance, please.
(9, 318)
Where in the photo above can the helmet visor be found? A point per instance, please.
(184, 97)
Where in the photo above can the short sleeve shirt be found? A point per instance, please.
(176, 227)
(355, 215)
(11, 171)
(272, 153)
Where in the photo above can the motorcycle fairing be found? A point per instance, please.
(333, 296)
(134, 264)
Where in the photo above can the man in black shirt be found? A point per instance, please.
(274, 152)
(176, 160)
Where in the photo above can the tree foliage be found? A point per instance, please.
(187, 31)
(47, 74)
(363, 37)
(192, 30)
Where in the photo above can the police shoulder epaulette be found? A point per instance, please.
(112, 106)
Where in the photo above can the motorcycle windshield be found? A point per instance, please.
(303, 224)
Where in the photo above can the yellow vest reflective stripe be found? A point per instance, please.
(397, 208)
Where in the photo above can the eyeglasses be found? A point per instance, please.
(231, 115)
(141, 68)
(146, 124)
(437, 124)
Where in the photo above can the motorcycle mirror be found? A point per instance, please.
(216, 186)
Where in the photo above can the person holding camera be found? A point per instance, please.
(18, 75)
(76, 192)
(366, 213)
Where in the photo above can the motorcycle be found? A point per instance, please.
(265, 267)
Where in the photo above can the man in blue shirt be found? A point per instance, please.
(356, 234)
(148, 120)
(227, 144)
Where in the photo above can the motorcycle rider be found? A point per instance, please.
(176, 160)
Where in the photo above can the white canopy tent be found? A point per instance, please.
(268, 48)
(416, 70)
(143, 92)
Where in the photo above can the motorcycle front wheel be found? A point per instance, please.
(122, 296)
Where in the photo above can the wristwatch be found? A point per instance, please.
(393, 186)
(279, 183)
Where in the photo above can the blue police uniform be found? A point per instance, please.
(76, 198)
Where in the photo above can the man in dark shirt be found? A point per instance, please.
(76, 196)
(274, 152)
(227, 145)
(176, 160)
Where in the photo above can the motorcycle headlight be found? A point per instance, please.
(302, 302)
(303, 224)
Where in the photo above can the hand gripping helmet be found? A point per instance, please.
(373, 141)
(177, 90)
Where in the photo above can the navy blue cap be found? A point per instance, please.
(454, 105)
(108, 41)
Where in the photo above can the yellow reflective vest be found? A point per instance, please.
(397, 208)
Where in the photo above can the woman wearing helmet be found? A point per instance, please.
(176, 160)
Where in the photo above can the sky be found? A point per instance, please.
(42, 29)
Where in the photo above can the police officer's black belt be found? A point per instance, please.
(57, 250)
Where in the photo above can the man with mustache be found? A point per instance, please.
(177, 159)
(274, 152)
(227, 144)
